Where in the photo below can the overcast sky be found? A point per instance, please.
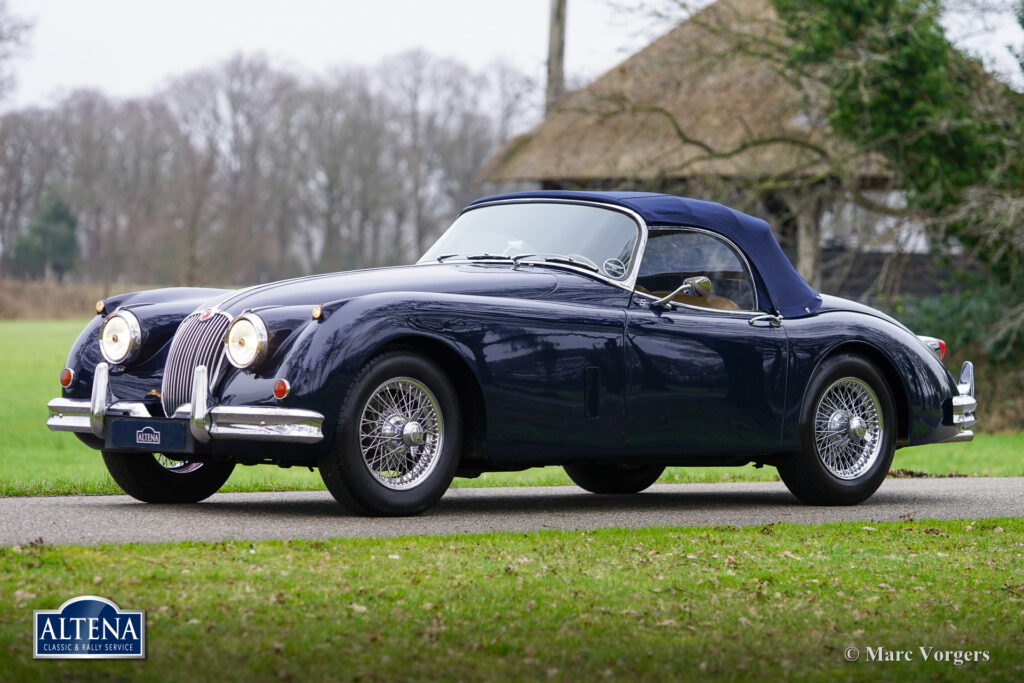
(129, 47)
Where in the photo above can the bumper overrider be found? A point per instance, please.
(964, 404)
(98, 415)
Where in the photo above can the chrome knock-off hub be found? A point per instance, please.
(393, 427)
(857, 429)
(413, 434)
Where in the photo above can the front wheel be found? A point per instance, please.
(398, 439)
(614, 478)
(847, 433)
(154, 478)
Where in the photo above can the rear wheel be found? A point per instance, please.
(614, 478)
(396, 447)
(848, 435)
(155, 478)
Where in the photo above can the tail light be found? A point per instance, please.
(935, 344)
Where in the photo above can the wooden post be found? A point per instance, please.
(556, 56)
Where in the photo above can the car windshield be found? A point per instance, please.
(573, 235)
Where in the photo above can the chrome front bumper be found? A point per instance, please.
(257, 423)
(964, 404)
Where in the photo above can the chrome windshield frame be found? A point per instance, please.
(628, 283)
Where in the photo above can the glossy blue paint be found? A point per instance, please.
(703, 382)
(914, 372)
(567, 367)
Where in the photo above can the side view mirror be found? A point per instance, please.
(698, 286)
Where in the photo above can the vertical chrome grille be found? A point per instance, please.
(197, 342)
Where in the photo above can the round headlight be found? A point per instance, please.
(246, 341)
(120, 337)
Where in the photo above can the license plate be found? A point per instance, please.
(157, 436)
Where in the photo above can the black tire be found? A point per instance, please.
(806, 473)
(142, 477)
(345, 471)
(614, 479)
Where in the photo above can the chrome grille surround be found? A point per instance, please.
(197, 341)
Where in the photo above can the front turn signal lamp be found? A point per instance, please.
(246, 342)
(120, 337)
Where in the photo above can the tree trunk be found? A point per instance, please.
(808, 243)
(807, 206)
(556, 56)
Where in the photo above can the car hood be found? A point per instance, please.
(477, 279)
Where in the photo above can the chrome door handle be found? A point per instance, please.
(773, 320)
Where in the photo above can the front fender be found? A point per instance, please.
(320, 358)
(159, 312)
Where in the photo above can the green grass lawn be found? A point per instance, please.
(35, 461)
(771, 603)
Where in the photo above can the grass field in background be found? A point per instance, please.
(35, 461)
(771, 603)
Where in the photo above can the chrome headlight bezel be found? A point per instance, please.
(262, 339)
(134, 337)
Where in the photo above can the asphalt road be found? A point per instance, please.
(313, 514)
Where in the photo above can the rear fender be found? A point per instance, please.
(920, 383)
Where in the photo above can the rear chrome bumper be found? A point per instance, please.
(964, 405)
(257, 423)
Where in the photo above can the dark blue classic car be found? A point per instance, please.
(613, 334)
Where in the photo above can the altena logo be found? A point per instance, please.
(147, 435)
(89, 627)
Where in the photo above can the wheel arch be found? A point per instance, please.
(467, 387)
(888, 370)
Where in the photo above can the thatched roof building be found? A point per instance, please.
(708, 101)
(705, 99)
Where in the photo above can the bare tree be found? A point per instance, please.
(244, 172)
(13, 35)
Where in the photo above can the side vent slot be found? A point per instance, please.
(592, 391)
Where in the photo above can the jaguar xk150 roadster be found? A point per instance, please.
(613, 334)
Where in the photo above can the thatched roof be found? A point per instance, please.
(706, 82)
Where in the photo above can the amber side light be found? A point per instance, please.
(67, 376)
(281, 388)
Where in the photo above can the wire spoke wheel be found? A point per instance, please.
(176, 466)
(401, 433)
(848, 428)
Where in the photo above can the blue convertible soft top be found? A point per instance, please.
(787, 291)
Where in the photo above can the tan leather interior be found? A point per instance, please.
(711, 301)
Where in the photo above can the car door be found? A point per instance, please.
(706, 375)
